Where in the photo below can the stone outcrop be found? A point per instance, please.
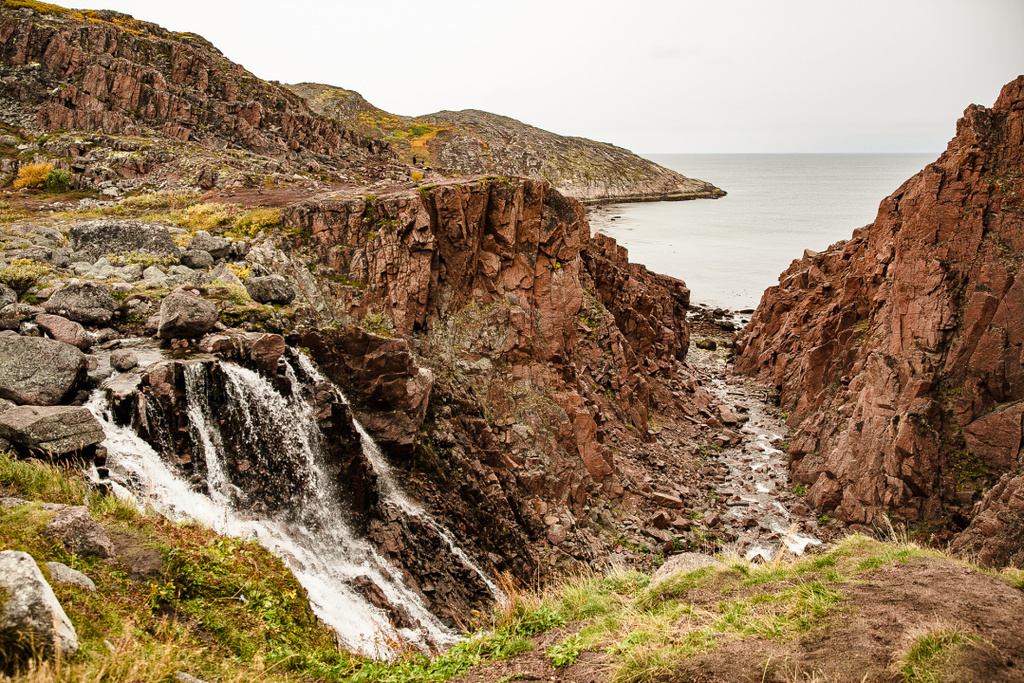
(472, 142)
(38, 371)
(897, 354)
(31, 619)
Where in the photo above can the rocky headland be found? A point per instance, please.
(472, 142)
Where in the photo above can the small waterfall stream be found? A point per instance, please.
(311, 533)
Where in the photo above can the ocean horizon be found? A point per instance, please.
(729, 250)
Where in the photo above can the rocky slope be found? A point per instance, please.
(472, 142)
(897, 353)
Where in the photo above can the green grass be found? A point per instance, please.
(932, 656)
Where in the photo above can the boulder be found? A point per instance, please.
(217, 247)
(197, 258)
(153, 276)
(39, 371)
(61, 573)
(271, 289)
(110, 236)
(7, 295)
(185, 314)
(223, 274)
(123, 360)
(90, 303)
(54, 429)
(31, 618)
(62, 329)
(75, 529)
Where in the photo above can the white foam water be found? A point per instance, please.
(317, 544)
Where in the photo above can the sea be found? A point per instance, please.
(729, 250)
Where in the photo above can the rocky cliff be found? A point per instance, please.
(475, 142)
(897, 354)
(148, 103)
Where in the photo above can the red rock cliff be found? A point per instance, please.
(898, 353)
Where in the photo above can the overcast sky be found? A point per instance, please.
(674, 76)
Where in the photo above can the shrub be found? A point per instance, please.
(417, 176)
(252, 222)
(32, 175)
(57, 180)
(241, 272)
(22, 274)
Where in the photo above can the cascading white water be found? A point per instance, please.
(313, 538)
(391, 493)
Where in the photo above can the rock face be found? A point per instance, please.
(898, 352)
(30, 617)
(52, 429)
(474, 142)
(38, 371)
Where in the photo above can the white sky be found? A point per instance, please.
(672, 76)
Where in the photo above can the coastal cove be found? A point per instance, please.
(728, 251)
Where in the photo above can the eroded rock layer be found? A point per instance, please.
(897, 354)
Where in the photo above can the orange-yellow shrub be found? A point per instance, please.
(33, 175)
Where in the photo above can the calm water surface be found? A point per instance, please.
(729, 250)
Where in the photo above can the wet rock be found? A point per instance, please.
(75, 529)
(271, 289)
(64, 330)
(185, 314)
(31, 618)
(123, 360)
(111, 236)
(39, 371)
(56, 430)
(61, 573)
(89, 303)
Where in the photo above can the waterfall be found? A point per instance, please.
(311, 534)
(392, 493)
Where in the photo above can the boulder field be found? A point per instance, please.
(897, 353)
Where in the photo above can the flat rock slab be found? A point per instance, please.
(61, 573)
(31, 618)
(110, 236)
(54, 429)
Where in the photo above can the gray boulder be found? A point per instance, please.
(62, 329)
(7, 295)
(111, 236)
(31, 619)
(153, 276)
(185, 314)
(89, 303)
(271, 289)
(39, 371)
(223, 274)
(61, 573)
(197, 258)
(218, 247)
(75, 529)
(54, 429)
